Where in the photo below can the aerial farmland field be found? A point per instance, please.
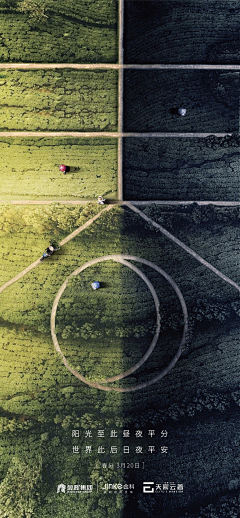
(120, 348)
(30, 168)
(59, 100)
(71, 32)
(181, 168)
(173, 31)
(152, 97)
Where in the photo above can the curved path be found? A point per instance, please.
(119, 259)
(183, 246)
(122, 259)
(63, 242)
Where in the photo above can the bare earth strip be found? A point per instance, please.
(189, 202)
(114, 66)
(120, 202)
(83, 227)
(149, 220)
(120, 259)
(183, 246)
(111, 134)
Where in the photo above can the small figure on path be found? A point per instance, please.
(53, 247)
(182, 111)
(101, 200)
(63, 168)
(95, 285)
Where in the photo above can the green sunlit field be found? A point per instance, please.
(83, 31)
(30, 168)
(62, 100)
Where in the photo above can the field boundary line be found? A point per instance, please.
(115, 66)
(188, 202)
(108, 134)
(222, 203)
(63, 242)
(184, 247)
(84, 226)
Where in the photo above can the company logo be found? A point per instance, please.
(61, 488)
(74, 488)
(148, 487)
(103, 486)
(166, 487)
(118, 487)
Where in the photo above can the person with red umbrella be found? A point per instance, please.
(63, 168)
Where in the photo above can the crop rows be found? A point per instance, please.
(42, 402)
(93, 326)
(79, 32)
(28, 303)
(186, 32)
(30, 168)
(59, 100)
(181, 169)
(152, 97)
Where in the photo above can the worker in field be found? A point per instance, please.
(182, 112)
(63, 168)
(96, 285)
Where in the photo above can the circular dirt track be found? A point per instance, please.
(123, 260)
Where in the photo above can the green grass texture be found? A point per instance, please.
(83, 31)
(59, 100)
(30, 169)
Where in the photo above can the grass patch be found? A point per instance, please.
(30, 168)
(59, 100)
(79, 32)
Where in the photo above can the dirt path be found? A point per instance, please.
(105, 134)
(189, 202)
(120, 202)
(120, 259)
(113, 66)
(123, 260)
(149, 220)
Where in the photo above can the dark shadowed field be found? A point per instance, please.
(152, 97)
(181, 168)
(171, 31)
